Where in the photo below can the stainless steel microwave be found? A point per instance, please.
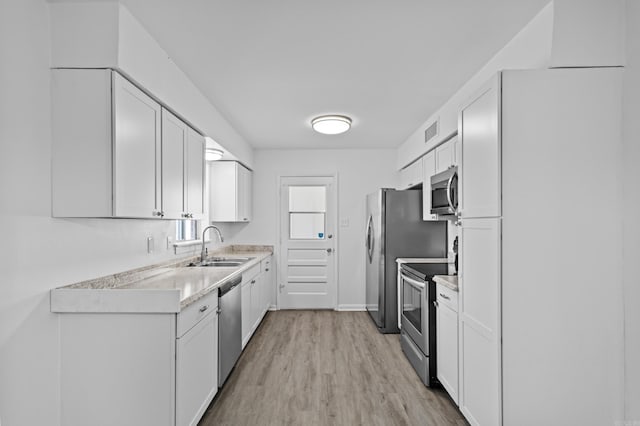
(444, 192)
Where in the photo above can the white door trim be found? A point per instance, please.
(336, 252)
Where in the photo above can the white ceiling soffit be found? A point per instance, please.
(271, 66)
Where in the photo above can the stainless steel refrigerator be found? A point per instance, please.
(395, 229)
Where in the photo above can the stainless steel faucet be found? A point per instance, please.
(203, 253)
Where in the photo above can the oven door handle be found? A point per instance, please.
(414, 283)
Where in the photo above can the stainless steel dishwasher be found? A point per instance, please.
(229, 327)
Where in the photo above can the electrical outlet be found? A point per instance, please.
(149, 245)
(169, 242)
(344, 222)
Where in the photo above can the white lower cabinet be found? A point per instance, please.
(447, 339)
(256, 291)
(245, 295)
(256, 302)
(196, 370)
(121, 368)
(268, 282)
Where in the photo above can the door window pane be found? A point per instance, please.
(306, 226)
(307, 199)
(307, 210)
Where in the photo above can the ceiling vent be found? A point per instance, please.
(431, 132)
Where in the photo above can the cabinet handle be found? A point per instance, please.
(444, 296)
(219, 310)
(266, 269)
(159, 214)
(190, 215)
(246, 219)
(253, 281)
(204, 308)
(436, 304)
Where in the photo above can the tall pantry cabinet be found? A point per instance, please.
(540, 311)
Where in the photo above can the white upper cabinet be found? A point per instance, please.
(182, 169)
(429, 169)
(174, 135)
(411, 175)
(194, 175)
(445, 156)
(230, 184)
(480, 140)
(117, 153)
(136, 151)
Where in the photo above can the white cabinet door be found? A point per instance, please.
(244, 193)
(481, 165)
(136, 152)
(447, 348)
(411, 175)
(196, 370)
(247, 323)
(256, 301)
(268, 282)
(174, 136)
(445, 156)
(429, 169)
(479, 322)
(194, 175)
(230, 192)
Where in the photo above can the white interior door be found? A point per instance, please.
(307, 243)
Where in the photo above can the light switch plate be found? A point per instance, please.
(149, 245)
(344, 222)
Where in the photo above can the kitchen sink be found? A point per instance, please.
(222, 262)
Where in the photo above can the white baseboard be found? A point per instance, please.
(345, 308)
(356, 307)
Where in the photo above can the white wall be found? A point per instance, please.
(38, 253)
(631, 211)
(529, 49)
(106, 35)
(359, 172)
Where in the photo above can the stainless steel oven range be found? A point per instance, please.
(418, 318)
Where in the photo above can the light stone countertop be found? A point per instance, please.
(165, 287)
(449, 281)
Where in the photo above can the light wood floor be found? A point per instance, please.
(326, 368)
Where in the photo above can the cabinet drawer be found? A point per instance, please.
(447, 296)
(193, 313)
(265, 265)
(250, 274)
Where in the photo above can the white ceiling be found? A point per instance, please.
(271, 66)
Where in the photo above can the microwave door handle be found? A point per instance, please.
(449, 192)
(417, 284)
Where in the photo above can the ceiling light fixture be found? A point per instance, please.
(212, 154)
(331, 124)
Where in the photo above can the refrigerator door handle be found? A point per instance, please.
(370, 238)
